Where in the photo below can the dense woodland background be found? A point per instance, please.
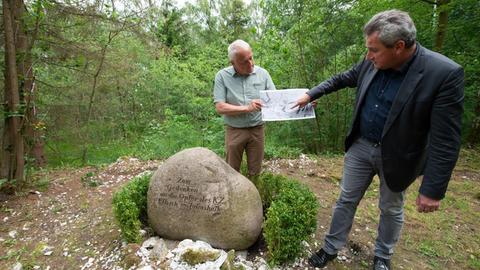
(88, 81)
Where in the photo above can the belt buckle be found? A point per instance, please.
(371, 142)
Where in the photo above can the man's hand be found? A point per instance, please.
(230, 109)
(426, 204)
(302, 101)
(255, 105)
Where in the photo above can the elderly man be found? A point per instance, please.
(406, 122)
(237, 97)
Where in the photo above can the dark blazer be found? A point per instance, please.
(422, 131)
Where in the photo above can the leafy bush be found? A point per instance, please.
(290, 219)
(268, 186)
(130, 207)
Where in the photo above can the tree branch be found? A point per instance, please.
(429, 2)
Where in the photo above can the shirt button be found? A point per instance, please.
(376, 105)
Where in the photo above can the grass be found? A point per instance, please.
(41, 184)
(469, 159)
(6, 210)
(160, 141)
(427, 248)
(69, 154)
(9, 242)
(84, 206)
(12, 253)
(450, 237)
(446, 239)
(474, 262)
(90, 180)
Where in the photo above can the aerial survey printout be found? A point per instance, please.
(277, 105)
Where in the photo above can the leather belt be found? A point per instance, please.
(371, 142)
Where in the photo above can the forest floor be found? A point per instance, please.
(65, 220)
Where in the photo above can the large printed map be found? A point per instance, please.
(277, 105)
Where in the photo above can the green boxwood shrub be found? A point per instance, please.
(268, 186)
(290, 219)
(130, 207)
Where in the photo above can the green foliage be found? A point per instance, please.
(130, 207)
(89, 180)
(14, 253)
(178, 132)
(474, 262)
(162, 72)
(291, 217)
(427, 248)
(2, 182)
(9, 242)
(67, 153)
(9, 186)
(268, 186)
(289, 139)
(41, 184)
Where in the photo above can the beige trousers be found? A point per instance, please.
(252, 141)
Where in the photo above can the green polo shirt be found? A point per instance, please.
(235, 89)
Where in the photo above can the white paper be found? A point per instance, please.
(277, 105)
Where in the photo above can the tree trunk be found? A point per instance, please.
(33, 128)
(111, 36)
(441, 25)
(12, 167)
(91, 101)
(474, 134)
(306, 81)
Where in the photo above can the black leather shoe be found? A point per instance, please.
(381, 264)
(320, 258)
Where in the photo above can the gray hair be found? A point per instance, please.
(234, 46)
(392, 26)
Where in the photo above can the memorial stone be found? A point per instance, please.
(196, 195)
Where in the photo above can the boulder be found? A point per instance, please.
(196, 195)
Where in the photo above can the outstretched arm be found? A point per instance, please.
(348, 78)
(302, 101)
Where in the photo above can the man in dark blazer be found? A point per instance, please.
(406, 123)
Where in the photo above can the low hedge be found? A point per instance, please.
(291, 216)
(130, 207)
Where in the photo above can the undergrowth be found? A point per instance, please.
(130, 207)
(291, 216)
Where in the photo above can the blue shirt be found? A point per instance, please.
(379, 99)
